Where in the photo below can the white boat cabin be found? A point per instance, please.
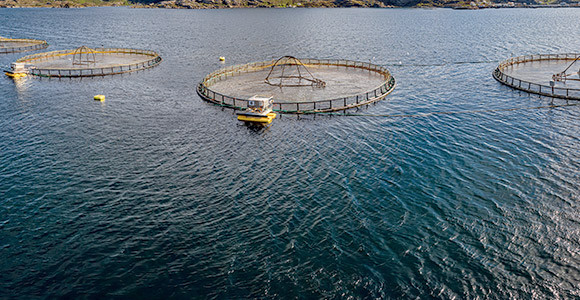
(260, 104)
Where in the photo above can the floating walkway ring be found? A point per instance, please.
(20, 45)
(533, 74)
(95, 62)
(383, 83)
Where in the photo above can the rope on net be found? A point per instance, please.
(83, 56)
(297, 75)
(562, 76)
(429, 114)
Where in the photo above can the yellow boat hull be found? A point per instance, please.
(267, 119)
(16, 75)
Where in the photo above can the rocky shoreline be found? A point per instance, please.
(59, 3)
(221, 4)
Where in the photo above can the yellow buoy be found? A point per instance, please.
(222, 58)
(100, 98)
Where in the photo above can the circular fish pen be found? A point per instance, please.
(553, 75)
(87, 62)
(20, 45)
(299, 85)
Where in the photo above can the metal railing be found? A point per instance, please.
(36, 45)
(535, 88)
(87, 71)
(327, 105)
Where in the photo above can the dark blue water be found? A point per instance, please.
(156, 194)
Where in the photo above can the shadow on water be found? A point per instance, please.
(256, 128)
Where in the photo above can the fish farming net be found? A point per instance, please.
(87, 62)
(553, 75)
(20, 45)
(84, 56)
(289, 71)
(321, 85)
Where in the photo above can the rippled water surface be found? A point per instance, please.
(156, 194)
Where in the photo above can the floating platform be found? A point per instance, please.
(20, 45)
(267, 119)
(259, 111)
(16, 71)
(321, 86)
(535, 74)
(15, 75)
(87, 62)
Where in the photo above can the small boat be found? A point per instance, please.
(17, 70)
(259, 111)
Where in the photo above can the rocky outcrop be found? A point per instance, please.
(194, 4)
(56, 3)
(402, 2)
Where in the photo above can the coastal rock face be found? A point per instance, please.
(58, 3)
(232, 3)
(253, 3)
(265, 3)
(210, 3)
(401, 2)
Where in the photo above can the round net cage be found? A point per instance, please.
(87, 62)
(299, 85)
(20, 45)
(553, 75)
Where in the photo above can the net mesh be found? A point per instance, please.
(86, 62)
(347, 84)
(20, 45)
(289, 71)
(83, 56)
(552, 75)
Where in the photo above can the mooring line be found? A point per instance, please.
(477, 111)
(437, 65)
